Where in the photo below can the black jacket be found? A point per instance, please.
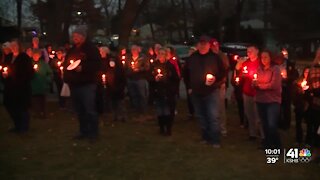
(17, 86)
(115, 77)
(143, 66)
(166, 87)
(196, 69)
(90, 63)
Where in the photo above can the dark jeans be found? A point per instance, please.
(285, 113)
(165, 109)
(269, 116)
(207, 112)
(138, 93)
(84, 101)
(239, 100)
(20, 117)
(299, 115)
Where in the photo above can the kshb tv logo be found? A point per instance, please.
(294, 155)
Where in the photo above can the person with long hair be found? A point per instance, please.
(267, 82)
(17, 74)
(165, 79)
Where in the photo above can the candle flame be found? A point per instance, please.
(103, 76)
(35, 66)
(245, 69)
(71, 61)
(0, 68)
(159, 71)
(255, 76)
(123, 57)
(237, 79)
(61, 68)
(174, 58)
(151, 60)
(5, 69)
(59, 63)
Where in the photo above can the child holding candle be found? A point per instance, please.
(40, 84)
(268, 98)
(57, 68)
(165, 79)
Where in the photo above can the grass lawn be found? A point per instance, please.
(135, 150)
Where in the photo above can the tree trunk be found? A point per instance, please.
(185, 23)
(239, 8)
(19, 9)
(128, 15)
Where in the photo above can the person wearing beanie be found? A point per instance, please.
(82, 80)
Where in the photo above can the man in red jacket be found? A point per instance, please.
(248, 71)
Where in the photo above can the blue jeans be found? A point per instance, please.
(138, 93)
(207, 112)
(84, 101)
(269, 114)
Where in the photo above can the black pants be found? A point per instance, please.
(313, 122)
(190, 105)
(20, 117)
(166, 121)
(299, 115)
(285, 113)
(239, 100)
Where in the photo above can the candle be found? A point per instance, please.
(159, 71)
(123, 62)
(245, 70)
(255, 77)
(209, 77)
(237, 79)
(104, 80)
(304, 85)
(71, 61)
(5, 71)
(284, 74)
(0, 68)
(151, 60)
(35, 67)
(174, 58)
(61, 68)
(59, 63)
(123, 57)
(53, 52)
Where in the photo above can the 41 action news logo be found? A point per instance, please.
(294, 155)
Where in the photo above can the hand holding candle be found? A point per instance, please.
(210, 79)
(5, 72)
(237, 80)
(104, 80)
(35, 67)
(304, 85)
(159, 75)
(245, 70)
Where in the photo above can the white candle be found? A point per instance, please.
(237, 79)
(245, 70)
(255, 77)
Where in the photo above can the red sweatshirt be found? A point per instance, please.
(249, 68)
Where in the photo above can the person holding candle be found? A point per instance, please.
(247, 69)
(40, 84)
(205, 72)
(83, 80)
(152, 57)
(36, 45)
(113, 78)
(313, 98)
(17, 75)
(215, 47)
(137, 71)
(289, 74)
(238, 93)
(268, 98)
(57, 68)
(300, 106)
(165, 78)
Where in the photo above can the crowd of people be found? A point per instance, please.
(264, 85)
